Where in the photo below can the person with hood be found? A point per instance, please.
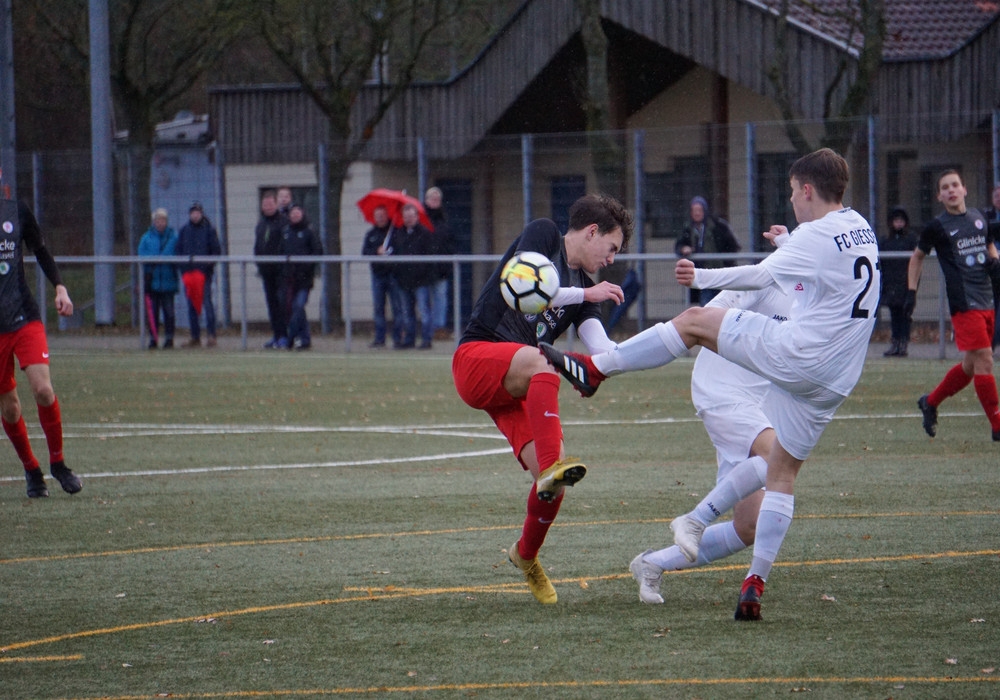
(894, 271)
(160, 283)
(199, 238)
(299, 239)
(705, 233)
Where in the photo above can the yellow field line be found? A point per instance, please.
(33, 659)
(392, 592)
(799, 684)
(447, 531)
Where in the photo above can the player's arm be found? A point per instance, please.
(31, 235)
(739, 277)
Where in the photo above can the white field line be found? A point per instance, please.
(463, 430)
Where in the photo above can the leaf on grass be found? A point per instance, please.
(411, 674)
(977, 619)
(987, 671)
(801, 689)
(584, 585)
(268, 641)
(951, 662)
(119, 595)
(126, 665)
(828, 597)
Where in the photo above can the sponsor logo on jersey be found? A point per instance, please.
(799, 287)
(540, 329)
(4, 268)
(953, 233)
(979, 224)
(8, 227)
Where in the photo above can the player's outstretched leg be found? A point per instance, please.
(565, 472)
(648, 576)
(534, 574)
(578, 369)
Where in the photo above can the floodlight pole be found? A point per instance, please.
(8, 165)
(100, 158)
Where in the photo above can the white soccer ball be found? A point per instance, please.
(529, 282)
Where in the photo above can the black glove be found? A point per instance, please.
(910, 303)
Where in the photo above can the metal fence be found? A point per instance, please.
(660, 297)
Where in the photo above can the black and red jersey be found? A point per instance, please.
(493, 321)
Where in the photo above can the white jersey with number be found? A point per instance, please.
(830, 268)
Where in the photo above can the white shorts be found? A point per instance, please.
(799, 409)
(733, 429)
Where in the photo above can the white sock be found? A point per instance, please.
(745, 478)
(718, 542)
(654, 347)
(772, 524)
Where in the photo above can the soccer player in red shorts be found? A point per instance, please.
(967, 253)
(499, 369)
(22, 335)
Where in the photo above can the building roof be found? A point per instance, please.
(915, 29)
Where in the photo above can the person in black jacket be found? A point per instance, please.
(705, 233)
(894, 270)
(267, 241)
(992, 215)
(198, 237)
(299, 239)
(412, 238)
(378, 241)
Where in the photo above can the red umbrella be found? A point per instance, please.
(393, 201)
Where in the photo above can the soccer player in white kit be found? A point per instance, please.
(830, 267)
(730, 402)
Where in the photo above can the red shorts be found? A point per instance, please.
(31, 347)
(479, 369)
(973, 329)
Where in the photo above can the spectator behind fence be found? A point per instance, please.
(705, 233)
(441, 243)
(284, 199)
(378, 241)
(160, 283)
(412, 238)
(199, 238)
(894, 270)
(267, 241)
(299, 239)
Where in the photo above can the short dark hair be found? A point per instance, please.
(826, 170)
(943, 174)
(607, 212)
(268, 193)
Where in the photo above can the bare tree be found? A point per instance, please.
(606, 151)
(865, 22)
(159, 50)
(334, 48)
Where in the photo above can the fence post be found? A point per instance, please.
(421, 168)
(324, 295)
(751, 132)
(526, 148)
(638, 150)
(872, 172)
(223, 228)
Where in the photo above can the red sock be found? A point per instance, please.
(986, 390)
(18, 434)
(51, 420)
(542, 407)
(953, 382)
(537, 523)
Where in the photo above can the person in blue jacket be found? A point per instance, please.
(160, 283)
